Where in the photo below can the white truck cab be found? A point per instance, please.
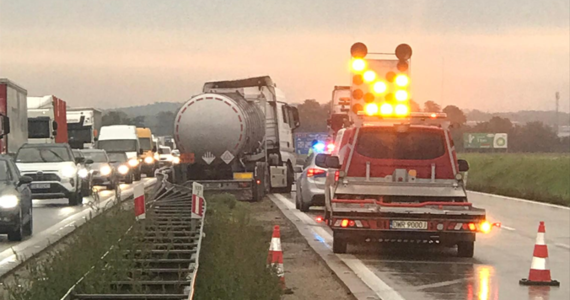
(41, 120)
(122, 138)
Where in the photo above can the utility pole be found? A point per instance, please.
(557, 96)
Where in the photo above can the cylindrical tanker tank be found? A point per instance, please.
(208, 125)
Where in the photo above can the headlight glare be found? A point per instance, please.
(133, 162)
(68, 172)
(123, 169)
(176, 160)
(9, 201)
(105, 170)
(148, 160)
(83, 173)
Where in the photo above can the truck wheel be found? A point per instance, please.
(138, 176)
(339, 245)
(465, 249)
(18, 234)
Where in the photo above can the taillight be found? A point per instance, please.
(344, 223)
(314, 171)
(472, 227)
(336, 175)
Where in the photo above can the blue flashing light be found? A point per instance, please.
(319, 147)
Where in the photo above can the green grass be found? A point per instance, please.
(539, 177)
(234, 254)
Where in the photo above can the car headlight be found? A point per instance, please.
(83, 173)
(105, 170)
(9, 201)
(149, 160)
(156, 156)
(133, 162)
(68, 172)
(123, 169)
(176, 160)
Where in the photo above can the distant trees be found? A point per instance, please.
(431, 106)
(116, 118)
(313, 116)
(455, 115)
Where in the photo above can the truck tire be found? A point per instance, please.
(290, 179)
(339, 244)
(465, 249)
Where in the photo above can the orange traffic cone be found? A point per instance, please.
(539, 272)
(275, 257)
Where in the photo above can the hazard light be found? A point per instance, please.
(402, 80)
(380, 87)
(485, 227)
(386, 109)
(401, 95)
(358, 64)
(401, 110)
(371, 109)
(369, 76)
(344, 223)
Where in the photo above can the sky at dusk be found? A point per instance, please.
(492, 55)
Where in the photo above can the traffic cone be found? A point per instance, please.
(539, 273)
(275, 257)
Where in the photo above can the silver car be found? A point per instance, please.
(310, 185)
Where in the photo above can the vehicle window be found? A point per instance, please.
(43, 154)
(117, 157)
(118, 145)
(77, 153)
(145, 144)
(5, 174)
(385, 143)
(284, 111)
(97, 157)
(38, 128)
(309, 160)
(164, 151)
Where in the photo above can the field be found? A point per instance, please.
(539, 177)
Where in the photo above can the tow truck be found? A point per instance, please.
(394, 175)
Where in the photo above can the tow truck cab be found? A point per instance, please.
(399, 182)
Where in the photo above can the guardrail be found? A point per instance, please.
(166, 253)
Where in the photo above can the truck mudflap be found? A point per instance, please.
(371, 220)
(241, 188)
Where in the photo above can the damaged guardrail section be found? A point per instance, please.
(157, 258)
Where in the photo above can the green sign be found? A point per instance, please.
(485, 140)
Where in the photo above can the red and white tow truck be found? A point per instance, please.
(395, 177)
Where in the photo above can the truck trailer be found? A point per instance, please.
(47, 120)
(14, 111)
(83, 126)
(237, 136)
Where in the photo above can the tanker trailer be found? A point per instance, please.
(237, 137)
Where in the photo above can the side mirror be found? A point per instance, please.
(89, 161)
(54, 124)
(332, 162)
(25, 180)
(463, 165)
(320, 160)
(79, 160)
(54, 133)
(297, 169)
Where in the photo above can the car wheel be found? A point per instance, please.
(112, 185)
(18, 234)
(304, 207)
(465, 249)
(129, 179)
(75, 199)
(138, 176)
(297, 200)
(29, 227)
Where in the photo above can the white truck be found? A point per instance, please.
(122, 138)
(83, 126)
(237, 136)
(14, 114)
(47, 121)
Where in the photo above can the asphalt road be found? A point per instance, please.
(502, 258)
(53, 219)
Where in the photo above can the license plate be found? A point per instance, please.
(414, 225)
(40, 186)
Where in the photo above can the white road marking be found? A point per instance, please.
(507, 228)
(381, 288)
(562, 246)
(521, 200)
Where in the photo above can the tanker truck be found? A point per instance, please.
(237, 137)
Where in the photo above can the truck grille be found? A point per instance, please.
(43, 177)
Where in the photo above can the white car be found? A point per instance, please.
(166, 156)
(53, 169)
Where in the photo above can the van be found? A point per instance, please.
(122, 138)
(148, 160)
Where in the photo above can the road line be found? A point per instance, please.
(562, 246)
(381, 288)
(507, 228)
(521, 200)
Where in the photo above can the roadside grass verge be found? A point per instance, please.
(52, 274)
(539, 177)
(234, 254)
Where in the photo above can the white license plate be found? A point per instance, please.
(414, 225)
(40, 186)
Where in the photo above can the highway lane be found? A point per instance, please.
(54, 219)
(502, 258)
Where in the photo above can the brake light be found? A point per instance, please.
(330, 148)
(314, 171)
(344, 223)
(472, 227)
(319, 219)
(336, 175)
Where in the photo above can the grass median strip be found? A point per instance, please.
(539, 177)
(234, 253)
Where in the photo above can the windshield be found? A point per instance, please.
(43, 154)
(79, 135)
(386, 143)
(145, 144)
(96, 156)
(38, 128)
(164, 151)
(117, 157)
(118, 145)
(4, 171)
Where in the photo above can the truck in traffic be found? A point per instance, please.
(393, 175)
(237, 136)
(47, 120)
(122, 138)
(149, 161)
(83, 126)
(14, 115)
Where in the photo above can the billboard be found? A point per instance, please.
(485, 140)
(303, 140)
